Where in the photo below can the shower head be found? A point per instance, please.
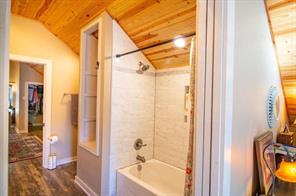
(142, 68)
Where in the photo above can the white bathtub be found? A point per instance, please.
(155, 179)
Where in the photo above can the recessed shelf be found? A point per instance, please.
(90, 95)
(90, 74)
(89, 145)
(89, 119)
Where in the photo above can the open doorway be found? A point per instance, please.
(29, 109)
(25, 111)
(34, 109)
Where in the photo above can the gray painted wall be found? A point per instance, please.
(27, 74)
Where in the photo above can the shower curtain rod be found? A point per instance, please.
(152, 46)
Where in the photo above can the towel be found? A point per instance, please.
(74, 110)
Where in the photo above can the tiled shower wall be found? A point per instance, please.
(132, 106)
(171, 129)
(148, 106)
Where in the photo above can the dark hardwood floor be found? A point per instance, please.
(30, 178)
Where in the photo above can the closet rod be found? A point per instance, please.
(154, 45)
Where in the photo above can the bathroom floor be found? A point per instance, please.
(30, 178)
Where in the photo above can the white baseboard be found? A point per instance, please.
(66, 160)
(84, 187)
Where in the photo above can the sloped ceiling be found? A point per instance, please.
(146, 22)
(282, 15)
(37, 68)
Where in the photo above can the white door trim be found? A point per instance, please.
(202, 166)
(47, 99)
(214, 97)
(223, 65)
(107, 34)
(4, 82)
(26, 102)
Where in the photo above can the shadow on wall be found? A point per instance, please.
(255, 184)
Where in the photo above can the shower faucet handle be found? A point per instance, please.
(139, 144)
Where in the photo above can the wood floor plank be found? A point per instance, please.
(28, 178)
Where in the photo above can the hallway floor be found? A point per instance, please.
(23, 146)
(38, 133)
(30, 178)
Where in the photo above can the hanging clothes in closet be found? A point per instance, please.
(36, 99)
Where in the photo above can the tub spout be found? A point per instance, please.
(141, 158)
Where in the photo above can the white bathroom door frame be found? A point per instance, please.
(4, 83)
(47, 94)
(26, 102)
(215, 54)
(222, 106)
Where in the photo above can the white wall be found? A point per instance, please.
(255, 70)
(132, 111)
(31, 38)
(171, 132)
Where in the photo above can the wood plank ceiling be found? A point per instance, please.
(282, 15)
(37, 68)
(145, 21)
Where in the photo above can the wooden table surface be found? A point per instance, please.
(285, 188)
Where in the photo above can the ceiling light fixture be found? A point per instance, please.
(180, 42)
